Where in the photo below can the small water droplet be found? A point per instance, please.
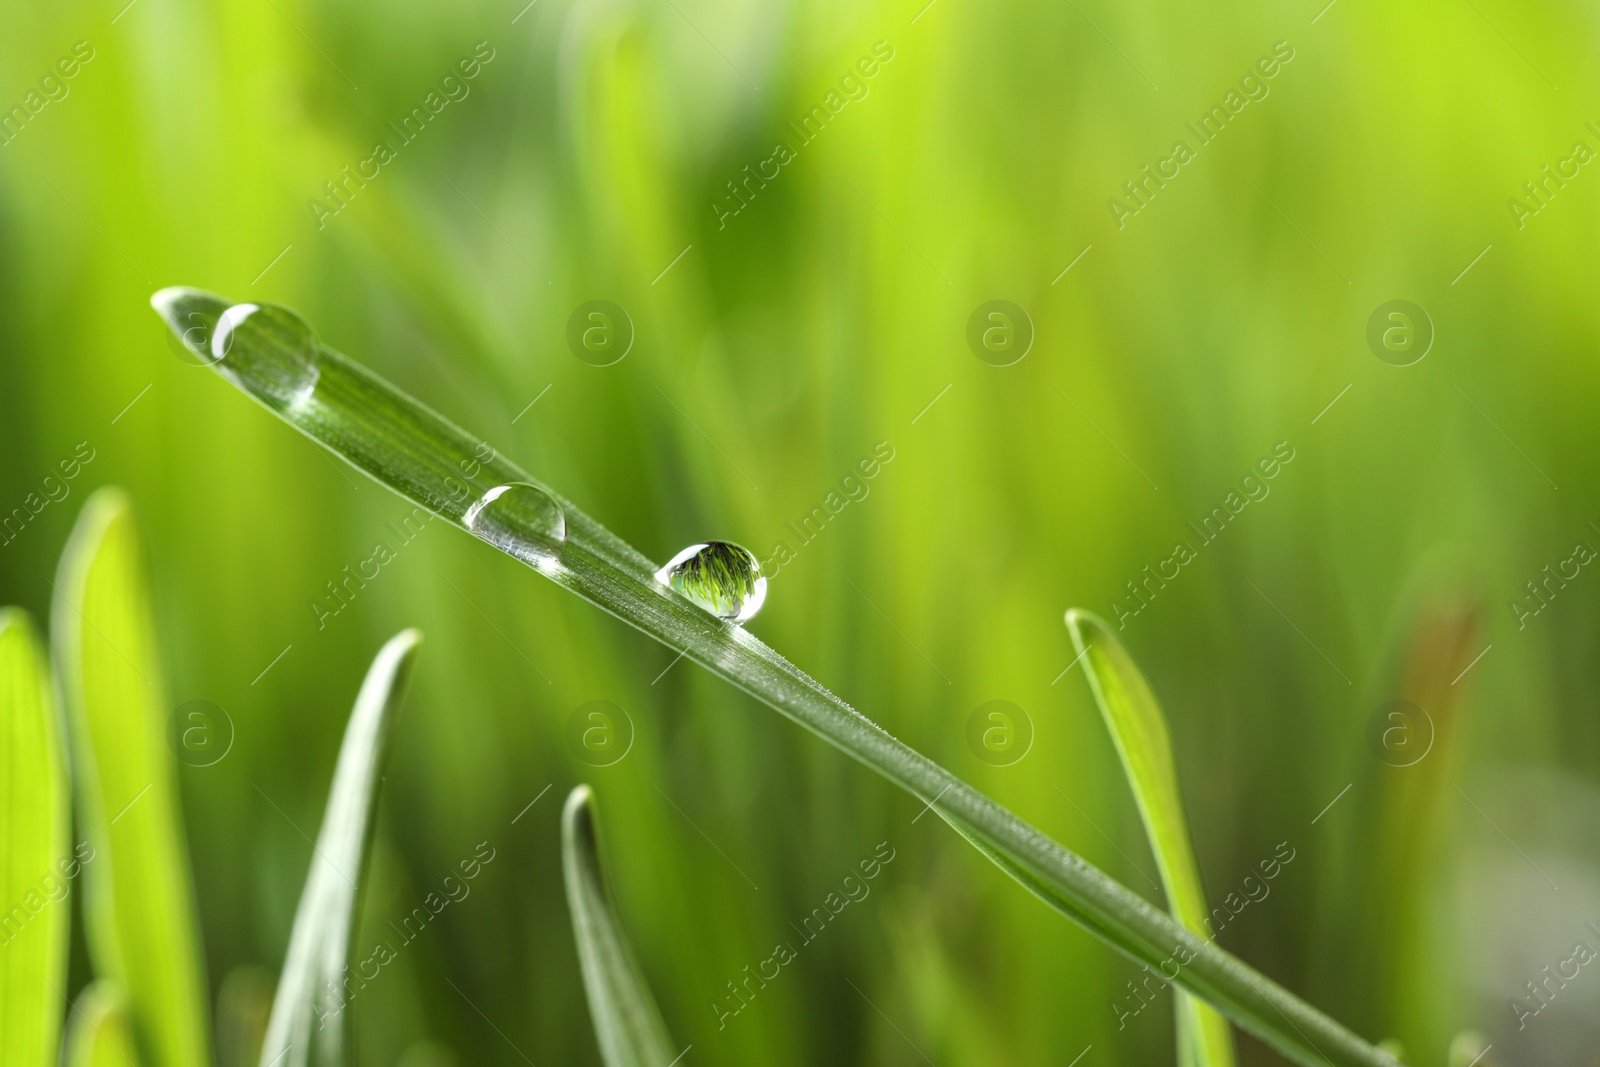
(268, 348)
(720, 576)
(520, 520)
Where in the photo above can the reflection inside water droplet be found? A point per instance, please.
(520, 520)
(269, 349)
(719, 576)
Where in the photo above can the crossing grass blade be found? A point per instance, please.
(101, 1033)
(1139, 731)
(308, 1026)
(627, 1023)
(34, 912)
(408, 447)
(139, 912)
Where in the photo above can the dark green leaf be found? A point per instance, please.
(309, 1027)
(626, 1020)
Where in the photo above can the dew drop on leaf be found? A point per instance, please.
(520, 520)
(719, 576)
(269, 349)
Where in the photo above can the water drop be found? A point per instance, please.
(720, 576)
(270, 349)
(520, 520)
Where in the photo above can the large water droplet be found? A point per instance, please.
(273, 346)
(720, 576)
(271, 352)
(520, 520)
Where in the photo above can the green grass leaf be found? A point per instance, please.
(138, 901)
(308, 1024)
(101, 1033)
(34, 866)
(408, 447)
(626, 1021)
(1139, 731)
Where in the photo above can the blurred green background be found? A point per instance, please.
(769, 358)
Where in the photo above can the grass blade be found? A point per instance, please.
(406, 446)
(1139, 730)
(626, 1021)
(101, 1034)
(138, 905)
(33, 851)
(311, 989)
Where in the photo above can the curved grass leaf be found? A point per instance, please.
(138, 902)
(1139, 730)
(34, 913)
(101, 1034)
(626, 1021)
(311, 989)
(408, 447)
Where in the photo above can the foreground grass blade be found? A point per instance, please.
(101, 1034)
(626, 1020)
(408, 447)
(33, 852)
(1139, 731)
(138, 904)
(311, 989)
